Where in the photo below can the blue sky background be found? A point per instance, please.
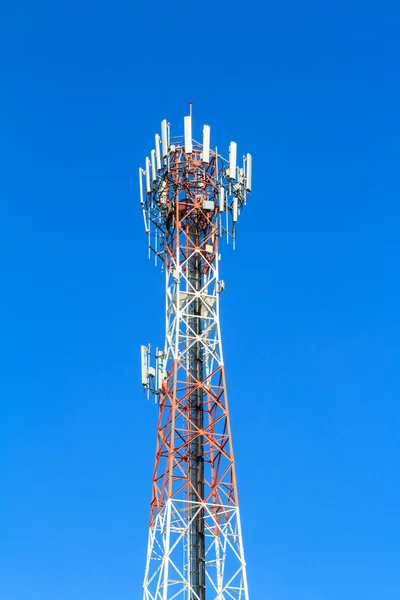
(310, 317)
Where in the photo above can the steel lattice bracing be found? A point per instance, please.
(195, 549)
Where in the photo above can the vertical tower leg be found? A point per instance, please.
(196, 410)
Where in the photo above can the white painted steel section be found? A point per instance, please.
(180, 296)
(166, 577)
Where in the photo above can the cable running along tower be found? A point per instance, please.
(191, 198)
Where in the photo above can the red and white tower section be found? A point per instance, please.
(191, 199)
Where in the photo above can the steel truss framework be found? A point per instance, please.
(194, 492)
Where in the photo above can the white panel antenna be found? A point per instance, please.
(164, 138)
(235, 210)
(206, 143)
(153, 166)
(158, 154)
(188, 135)
(232, 160)
(249, 161)
(221, 199)
(163, 195)
(148, 186)
(144, 352)
(141, 186)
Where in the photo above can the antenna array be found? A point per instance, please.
(228, 184)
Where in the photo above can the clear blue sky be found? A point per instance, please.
(310, 318)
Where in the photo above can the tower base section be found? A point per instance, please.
(168, 556)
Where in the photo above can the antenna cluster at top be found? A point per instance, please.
(180, 164)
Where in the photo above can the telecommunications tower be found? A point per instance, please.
(191, 198)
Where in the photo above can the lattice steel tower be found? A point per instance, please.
(191, 197)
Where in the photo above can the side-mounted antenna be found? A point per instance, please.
(144, 355)
(152, 377)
